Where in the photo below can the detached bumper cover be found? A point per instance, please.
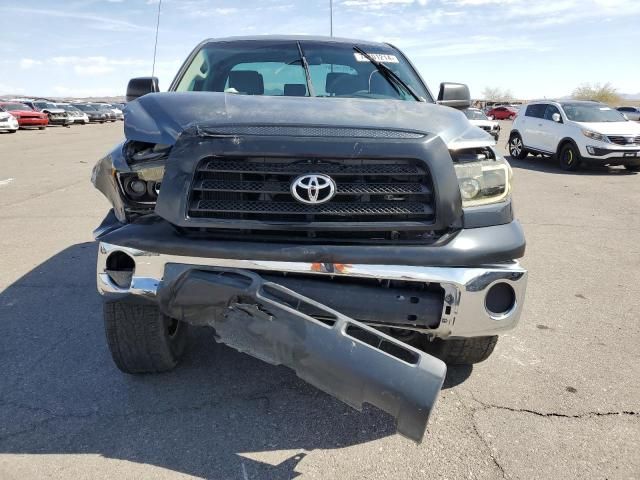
(345, 358)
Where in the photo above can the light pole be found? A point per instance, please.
(331, 18)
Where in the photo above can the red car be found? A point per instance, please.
(503, 113)
(26, 116)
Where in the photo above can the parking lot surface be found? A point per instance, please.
(559, 398)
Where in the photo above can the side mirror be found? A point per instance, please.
(455, 95)
(140, 86)
(556, 118)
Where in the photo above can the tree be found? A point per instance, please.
(606, 93)
(496, 94)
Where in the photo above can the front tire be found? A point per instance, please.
(462, 351)
(633, 168)
(516, 147)
(569, 157)
(141, 339)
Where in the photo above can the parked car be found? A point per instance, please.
(314, 220)
(502, 113)
(479, 119)
(8, 122)
(109, 113)
(632, 113)
(95, 115)
(57, 116)
(116, 110)
(26, 116)
(576, 132)
(76, 115)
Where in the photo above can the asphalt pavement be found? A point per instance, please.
(559, 398)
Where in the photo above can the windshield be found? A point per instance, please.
(475, 114)
(45, 105)
(275, 68)
(591, 112)
(15, 106)
(85, 108)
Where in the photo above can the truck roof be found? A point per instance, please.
(314, 38)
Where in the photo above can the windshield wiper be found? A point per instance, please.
(307, 73)
(389, 74)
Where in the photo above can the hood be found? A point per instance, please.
(483, 123)
(27, 112)
(612, 128)
(53, 110)
(161, 117)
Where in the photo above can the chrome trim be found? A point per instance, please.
(464, 287)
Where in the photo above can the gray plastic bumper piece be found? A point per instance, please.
(341, 356)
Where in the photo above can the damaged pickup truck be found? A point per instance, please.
(310, 200)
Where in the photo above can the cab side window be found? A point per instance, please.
(536, 110)
(551, 109)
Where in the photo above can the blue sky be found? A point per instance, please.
(534, 48)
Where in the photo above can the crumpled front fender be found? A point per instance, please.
(341, 356)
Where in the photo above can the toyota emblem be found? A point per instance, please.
(313, 189)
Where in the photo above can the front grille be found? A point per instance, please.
(624, 140)
(385, 195)
(294, 131)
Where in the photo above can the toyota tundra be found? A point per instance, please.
(312, 201)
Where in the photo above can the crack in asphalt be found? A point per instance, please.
(490, 406)
(561, 415)
(487, 406)
(480, 437)
(487, 446)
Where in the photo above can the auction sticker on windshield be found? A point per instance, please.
(379, 57)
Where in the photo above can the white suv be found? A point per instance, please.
(576, 131)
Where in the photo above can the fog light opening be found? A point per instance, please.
(120, 268)
(500, 300)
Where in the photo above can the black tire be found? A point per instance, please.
(569, 157)
(141, 339)
(13, 131)
(41, 128)
(633, 168)
(462, 351)
(516, 147)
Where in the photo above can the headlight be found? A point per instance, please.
(595, 135)
(147, 161)
(483, 182)
(142, 186)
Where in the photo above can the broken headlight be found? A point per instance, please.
(483, 181)
(142, 186)
(147, 160)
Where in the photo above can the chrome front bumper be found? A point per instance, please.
(464, 312)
